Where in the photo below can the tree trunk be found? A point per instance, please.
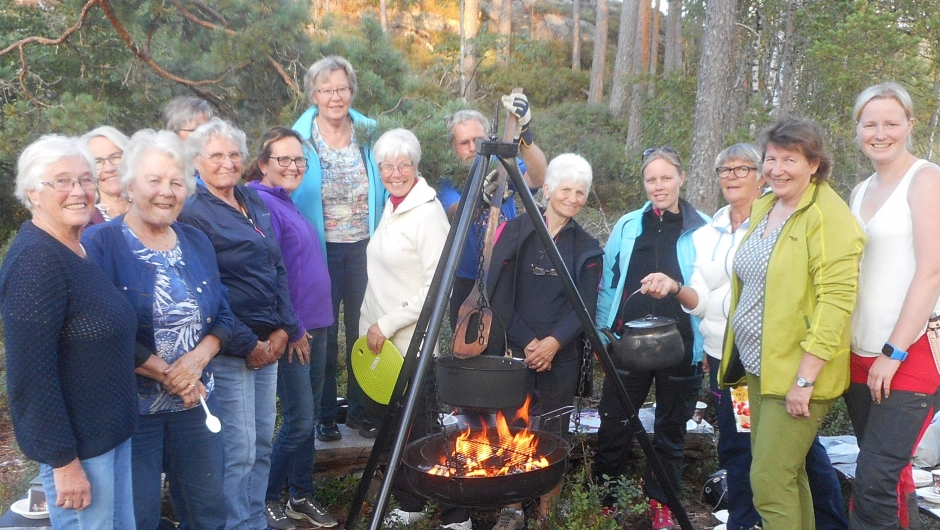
(714, 89)
(619, 85)
(640, 74)
(786, 63)
(654, 49)
(672, 59)
(383, 15)
(599, 63)
(505, 31)
(576, 36)
(468, 35)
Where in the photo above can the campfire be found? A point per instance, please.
(493, 452)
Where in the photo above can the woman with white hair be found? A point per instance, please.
(343, 198)
(541, 324)
(239, 227)
(107, 144)
(69, 337)
(168, 272)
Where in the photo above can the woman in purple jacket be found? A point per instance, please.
(278, 171)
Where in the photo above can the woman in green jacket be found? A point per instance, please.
(793, 291)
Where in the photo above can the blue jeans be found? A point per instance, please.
(346, 263)
(299, 387)
(179, 444)
(248, 401)
(110, 478)
(734, 455)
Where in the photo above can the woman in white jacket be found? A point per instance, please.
(708, 296)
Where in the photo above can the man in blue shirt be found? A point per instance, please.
(465, 127)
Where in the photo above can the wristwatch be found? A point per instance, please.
(803, 383)
(893, 353)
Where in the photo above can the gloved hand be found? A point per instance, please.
(518, 104)
(489, 188)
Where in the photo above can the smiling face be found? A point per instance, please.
(741, 190)
(333, 97)
(107, 156)
(883, 129)
(158, 191)
(62, 210)
(398, 175)
(466, 134)
(788, 172)
(224, 174)
(275, 174)
(567, 199)
(663, 181)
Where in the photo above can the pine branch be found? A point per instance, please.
(65, 35)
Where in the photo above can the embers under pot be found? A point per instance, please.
(647, 344)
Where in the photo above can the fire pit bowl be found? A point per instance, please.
(422, 455)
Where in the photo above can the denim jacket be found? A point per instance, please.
(106, 246)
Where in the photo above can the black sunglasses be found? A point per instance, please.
(666, 148)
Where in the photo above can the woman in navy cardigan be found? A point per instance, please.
(168, 272)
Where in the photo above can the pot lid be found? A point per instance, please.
(650, 322)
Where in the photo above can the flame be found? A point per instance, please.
(481, 454)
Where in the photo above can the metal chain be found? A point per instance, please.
(481, 225)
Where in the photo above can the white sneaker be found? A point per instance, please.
(721, 527)
(466, 525)
(401, 517)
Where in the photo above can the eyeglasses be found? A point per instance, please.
(388, 169)
(343, 91)
(284, 161)
(114, 158)
(65, 184)
(665, 148)
(219, 158)
(739, 171)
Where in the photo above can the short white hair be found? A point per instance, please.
(397, 142)
(116, 137)
(215, 128)
(568, 166)
(165, 142)
(34, 162)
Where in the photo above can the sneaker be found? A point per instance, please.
(277, 519)
(510, 519)
(398, 517)
(327, 431)
(309, 510)
(466, 525)
(661, 516)
(365, 426)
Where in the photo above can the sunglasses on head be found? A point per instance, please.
(665, 148)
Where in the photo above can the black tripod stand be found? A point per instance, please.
(401, 410)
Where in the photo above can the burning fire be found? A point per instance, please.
(486, 454)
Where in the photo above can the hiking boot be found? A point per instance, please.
(277, 519)
(365, 426)
(398, 517)
(510, 519)
(327, 431)
(309, 510)
(661, 516)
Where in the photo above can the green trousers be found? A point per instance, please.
(779, 444)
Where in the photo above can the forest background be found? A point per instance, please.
(606, 78)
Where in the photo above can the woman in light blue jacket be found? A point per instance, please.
(343, 197)
(655, 238)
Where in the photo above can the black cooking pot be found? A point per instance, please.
(481, 382)
(421, 455)
(647, 344)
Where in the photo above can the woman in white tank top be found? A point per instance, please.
(894, 376)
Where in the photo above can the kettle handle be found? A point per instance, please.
(634, 293)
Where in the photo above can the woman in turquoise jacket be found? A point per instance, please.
(655, 238)
(342, 196)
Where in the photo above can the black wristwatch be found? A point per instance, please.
(893, 353)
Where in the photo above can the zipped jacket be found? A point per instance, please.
(617, 257)
(812, 279)
(309, 195)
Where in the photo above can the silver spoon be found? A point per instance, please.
(212, 422)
